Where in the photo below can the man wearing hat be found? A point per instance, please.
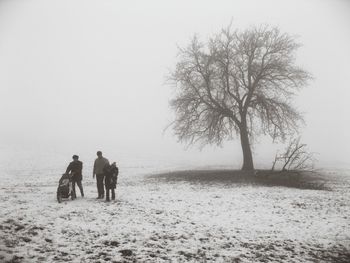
(76, 168)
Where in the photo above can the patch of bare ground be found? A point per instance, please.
(292, 179)
(289, 251)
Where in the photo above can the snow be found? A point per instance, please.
(154, 219)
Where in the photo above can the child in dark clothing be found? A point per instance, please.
(111, 176)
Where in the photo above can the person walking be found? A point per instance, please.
(99, 164)
(75, 168)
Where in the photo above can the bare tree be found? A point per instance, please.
(238, 83)
(296, 157)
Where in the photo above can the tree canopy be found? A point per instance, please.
(237, 83)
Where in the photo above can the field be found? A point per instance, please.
(180, 216)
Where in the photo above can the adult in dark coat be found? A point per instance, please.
(111, 176)
(99, 166)
(76, 168)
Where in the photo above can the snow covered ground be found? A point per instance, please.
(158, 220)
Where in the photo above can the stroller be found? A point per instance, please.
(65, 189)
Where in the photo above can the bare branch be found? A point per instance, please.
(296, 157)
(238, 83)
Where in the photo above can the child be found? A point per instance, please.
(111, 176)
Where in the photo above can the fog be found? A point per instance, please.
(81, 76)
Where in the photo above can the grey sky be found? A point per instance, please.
(93, 73)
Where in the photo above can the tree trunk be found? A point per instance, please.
(247, 153)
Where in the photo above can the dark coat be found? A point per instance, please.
(76, 168)
(111, 172)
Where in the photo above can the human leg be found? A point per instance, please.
(80, 187)
(107, 187)
(73, 190)
(100, 186)
(113, 194)
(107, 195)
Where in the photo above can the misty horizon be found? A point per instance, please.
(93, 77)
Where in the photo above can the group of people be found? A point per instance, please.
(106, 176)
